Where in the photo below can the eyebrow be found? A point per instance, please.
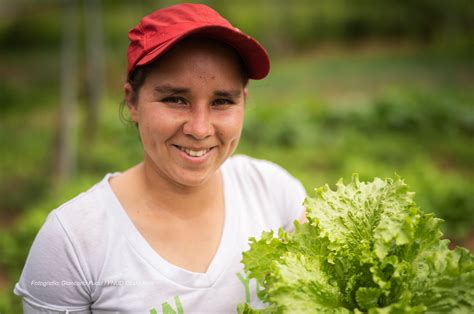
(228, 93)
(169, 89)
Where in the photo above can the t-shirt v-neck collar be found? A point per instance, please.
(225, 253)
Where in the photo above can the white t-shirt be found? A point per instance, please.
(89, 257)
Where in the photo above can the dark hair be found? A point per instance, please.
(136, 80)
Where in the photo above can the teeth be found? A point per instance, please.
(194, 153)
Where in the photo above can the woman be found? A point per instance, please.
(167, 234)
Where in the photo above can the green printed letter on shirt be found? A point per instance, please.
(168, 309)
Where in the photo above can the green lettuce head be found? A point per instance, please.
(366, 247)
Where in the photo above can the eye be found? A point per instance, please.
(222, 101)
(174, 100)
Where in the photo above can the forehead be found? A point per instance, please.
(201, 56)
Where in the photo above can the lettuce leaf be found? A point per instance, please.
(367, 247)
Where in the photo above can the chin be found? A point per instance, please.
(192, 182)
(193, 179)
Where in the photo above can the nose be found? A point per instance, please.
(198, 124)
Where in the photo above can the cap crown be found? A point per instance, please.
(165, 24)
(160, 30)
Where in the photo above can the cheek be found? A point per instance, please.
(155, 128)
(230, 128)
(150, 128)
(145, 134)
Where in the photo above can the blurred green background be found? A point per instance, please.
(377, 88)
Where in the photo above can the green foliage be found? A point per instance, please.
(366, 247)
(412, 113)
(23, 30)
(287, 127)
(426, 139)
(280, 25)
(8, 302)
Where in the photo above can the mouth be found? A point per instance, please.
(194, 152)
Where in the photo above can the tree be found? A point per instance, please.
(65, 161)
(94, 66)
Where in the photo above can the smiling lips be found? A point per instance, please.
(194, 152)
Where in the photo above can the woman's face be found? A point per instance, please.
(190, 111)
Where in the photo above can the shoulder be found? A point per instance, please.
(81, 225)
(246, 165)
(71, 246)
(269, 184)
(264, 173)
(85, 215)
(83, 208)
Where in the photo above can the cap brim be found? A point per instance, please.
(252, 53)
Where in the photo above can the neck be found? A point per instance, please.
(161, 194)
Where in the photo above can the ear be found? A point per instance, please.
(132, 107)
(246, 93)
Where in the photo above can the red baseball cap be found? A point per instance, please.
(160, 30)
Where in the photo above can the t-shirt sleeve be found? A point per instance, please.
(291, 198)
(53, 280)
(287, 192)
